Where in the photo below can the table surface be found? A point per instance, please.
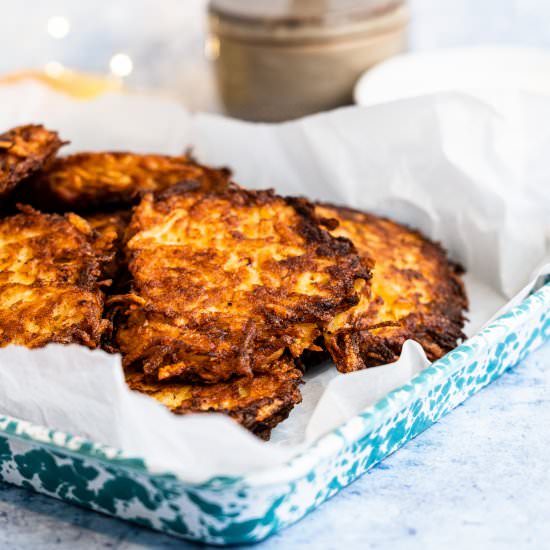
(478, 478)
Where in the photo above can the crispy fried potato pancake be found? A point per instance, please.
(86, 181)
(416, 293)
(223, 284)
(259, 402)
(48, 281)
(23, 151)
(109, 228)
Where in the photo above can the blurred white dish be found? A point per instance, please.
(484, 72)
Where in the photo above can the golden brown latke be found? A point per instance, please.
(48, 281)
(23, 151)
(223, 284)
(259, 402)
(109, 228)
(86, 181)
(416, 293)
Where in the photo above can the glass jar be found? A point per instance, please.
(281, 59)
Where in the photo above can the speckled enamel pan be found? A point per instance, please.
(247, 509)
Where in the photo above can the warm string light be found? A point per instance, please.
(58, 26)
(54, 69)
(121, 64)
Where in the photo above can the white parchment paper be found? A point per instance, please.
(472, 175)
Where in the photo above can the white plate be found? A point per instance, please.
(485, 72)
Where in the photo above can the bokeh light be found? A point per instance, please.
(121, 64)
(54, 69)
(58, 26)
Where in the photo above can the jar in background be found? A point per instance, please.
(282, 59)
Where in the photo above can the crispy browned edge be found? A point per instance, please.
(40, 194)
(438, 331)
(314, 235)
(90, 335)
(36, 156)
(287, 395)
(107, 238)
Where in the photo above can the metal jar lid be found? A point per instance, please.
(290, 21)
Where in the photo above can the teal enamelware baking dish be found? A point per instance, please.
(231, 510)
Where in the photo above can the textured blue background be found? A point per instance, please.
(479, 478)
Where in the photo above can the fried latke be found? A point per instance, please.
(23, 151)
(48, 281)
(85, 181)
(259, 402)
(416, 293)
(223, 284)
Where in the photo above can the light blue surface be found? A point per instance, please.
(477, 479)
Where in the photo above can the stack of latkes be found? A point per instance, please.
(217, 297)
